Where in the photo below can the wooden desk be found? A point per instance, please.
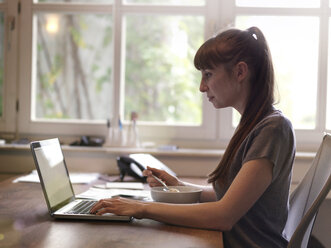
(25, 222)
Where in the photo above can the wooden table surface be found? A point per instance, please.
(25, 222)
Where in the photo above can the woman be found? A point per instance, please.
(248, 196)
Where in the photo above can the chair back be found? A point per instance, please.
(308, 196)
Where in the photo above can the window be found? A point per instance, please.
(161, 82)
(73, 66)
(82, 62)
(287, 38)
(297, 34)
(93, 61)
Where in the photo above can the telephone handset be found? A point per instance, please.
(134, 164)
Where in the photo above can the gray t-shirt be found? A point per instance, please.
(262, 226)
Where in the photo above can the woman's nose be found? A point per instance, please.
(203, 87)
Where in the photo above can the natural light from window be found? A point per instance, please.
(293, 43)
(73, 67)
(161, 83)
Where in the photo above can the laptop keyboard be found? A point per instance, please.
(82, 207)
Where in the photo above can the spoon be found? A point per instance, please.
(166, 188)
(160, 181)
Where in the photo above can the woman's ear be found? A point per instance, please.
(241, 71)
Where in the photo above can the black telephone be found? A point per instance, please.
(134, 164)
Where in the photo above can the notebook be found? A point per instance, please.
(57, 187)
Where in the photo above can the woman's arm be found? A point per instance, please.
(207, 194)
(250, 183)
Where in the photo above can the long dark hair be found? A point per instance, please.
(229, 48)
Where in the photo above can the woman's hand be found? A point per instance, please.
(163, 175)
(119, 206)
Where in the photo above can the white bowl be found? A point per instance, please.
(186, 194)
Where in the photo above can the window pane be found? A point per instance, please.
(161, 83)
(1, 61)
(74, 67)
(293, 43)
(279, 3)
(167, 2)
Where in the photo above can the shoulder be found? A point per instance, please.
(274, 130)
(276, 123)
(272, 138)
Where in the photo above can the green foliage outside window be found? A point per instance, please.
(74, 66)
(161, 83)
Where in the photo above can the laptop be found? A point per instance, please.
(57, 187)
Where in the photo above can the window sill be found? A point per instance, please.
(186, 162)
(211, 153)
(182, 152)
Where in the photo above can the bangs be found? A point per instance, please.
(207, 56)
(221, 49)
(211, 54)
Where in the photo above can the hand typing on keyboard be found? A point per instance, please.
(82, 207)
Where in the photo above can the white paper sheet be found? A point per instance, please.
(75, 178)
(125, 185)
(98, 194)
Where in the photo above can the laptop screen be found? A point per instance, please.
(53, 172)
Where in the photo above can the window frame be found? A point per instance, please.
(8, 119)
(27, 20)
(71, 127)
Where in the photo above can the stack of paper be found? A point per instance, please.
(133, 190)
